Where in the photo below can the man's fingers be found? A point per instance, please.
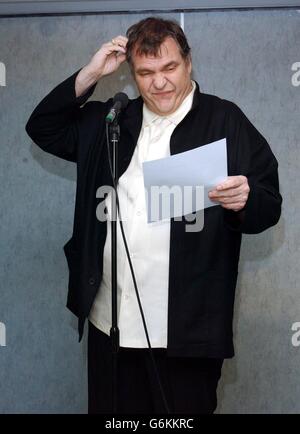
(111, 47)
(229, 200)
(120, 58)
(231, 182)
(120, 40)
(227, 192)
(115, 48)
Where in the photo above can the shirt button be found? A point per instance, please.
(92, 281)
(139, 213)
(126, 296)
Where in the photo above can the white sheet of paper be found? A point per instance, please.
(200, 168)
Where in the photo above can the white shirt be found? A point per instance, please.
(148, 244)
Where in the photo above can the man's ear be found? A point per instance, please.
(189, 63)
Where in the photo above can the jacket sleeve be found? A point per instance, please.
(255, 160)
(53, 123)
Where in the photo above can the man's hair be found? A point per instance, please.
(146, 37)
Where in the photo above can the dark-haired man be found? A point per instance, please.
(186, 279)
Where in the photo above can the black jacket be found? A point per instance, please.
(203, 265)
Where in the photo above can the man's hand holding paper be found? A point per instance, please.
(232, 193)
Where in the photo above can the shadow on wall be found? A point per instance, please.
(255, 249)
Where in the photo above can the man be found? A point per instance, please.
(186, 279)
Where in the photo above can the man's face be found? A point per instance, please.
(163, 81)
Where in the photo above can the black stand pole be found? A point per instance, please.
(114, 331)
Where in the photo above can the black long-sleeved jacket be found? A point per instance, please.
(203, 265)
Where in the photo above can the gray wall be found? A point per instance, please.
(27, 7)
(242, 56)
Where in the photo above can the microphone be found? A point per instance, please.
(120, 102)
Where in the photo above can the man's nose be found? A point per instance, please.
(159, 81)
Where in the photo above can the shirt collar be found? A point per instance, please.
(177, 116)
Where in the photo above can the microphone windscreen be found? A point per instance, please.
(122, 98)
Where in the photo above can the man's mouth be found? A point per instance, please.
(165, 93)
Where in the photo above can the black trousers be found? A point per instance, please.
(190, 384)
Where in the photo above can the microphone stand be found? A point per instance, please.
(114, 331)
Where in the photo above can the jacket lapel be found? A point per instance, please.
(130, 126)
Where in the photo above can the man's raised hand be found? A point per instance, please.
(109, 57)
(104, 62)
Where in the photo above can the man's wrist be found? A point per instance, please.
(85, 79)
